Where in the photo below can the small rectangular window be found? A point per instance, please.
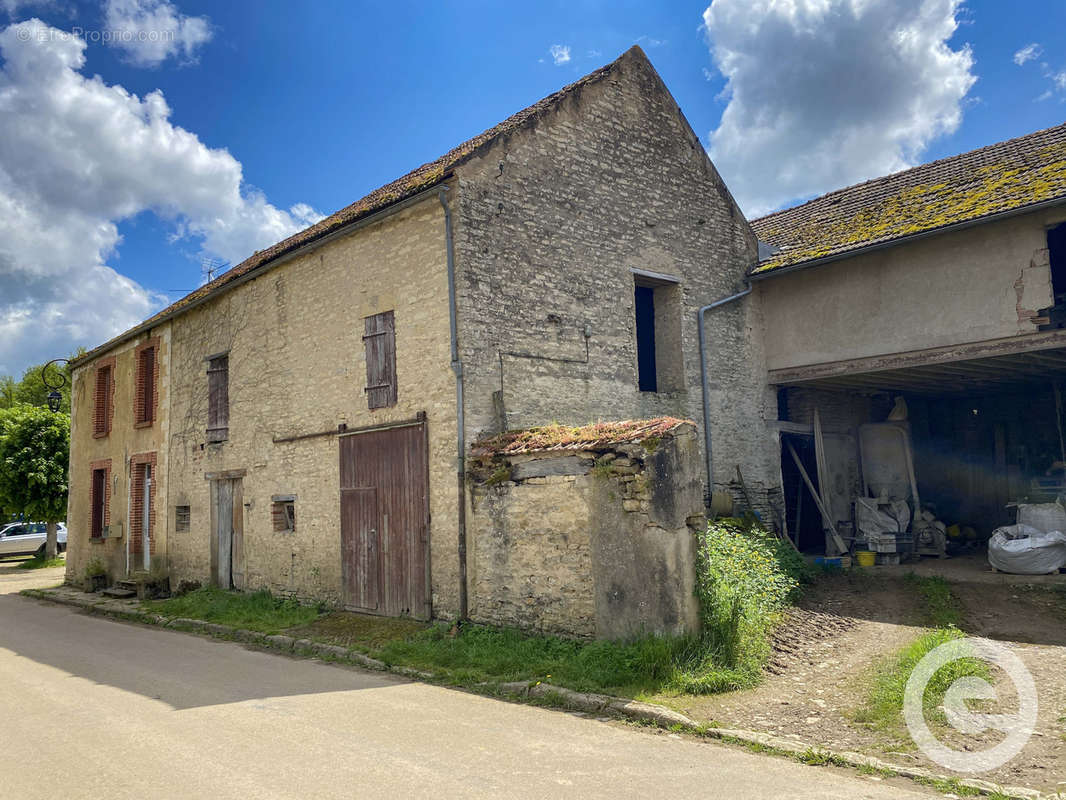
(98, 503)
(181, 519)
(144, 402)
(283, 512)
(102, 401)
(647, 380)
(379, 340)
(218, 399)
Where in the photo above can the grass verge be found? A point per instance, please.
(256, 611)
(39, 562)
(882, 709)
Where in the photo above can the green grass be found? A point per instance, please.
(883, 706)
(941, 609)
(257, 611)
(650, 664)
(39, 562)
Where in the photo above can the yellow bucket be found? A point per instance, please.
(866, 558)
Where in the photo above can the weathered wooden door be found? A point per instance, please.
(384, 478)
(229, 533)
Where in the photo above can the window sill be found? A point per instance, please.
(146, 424)
(97, 539)
(101, 435)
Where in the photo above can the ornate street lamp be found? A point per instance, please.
(55, 399)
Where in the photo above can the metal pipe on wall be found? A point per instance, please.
(460, 418)
(703, 380)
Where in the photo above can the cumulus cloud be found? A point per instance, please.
(151, 31)
(78, 156)
(1028, 53)
(826, 93)
(560, 54)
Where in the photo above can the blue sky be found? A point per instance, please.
(319, 103)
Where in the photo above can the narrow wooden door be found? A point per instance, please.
(229, 534)
(384, 487)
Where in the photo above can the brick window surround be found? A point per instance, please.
(99, 521)
(146, 390)
(103, 397)
(137, 465)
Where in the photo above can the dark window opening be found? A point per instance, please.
(181, 519)
(647, 379)
(1056, 245)
(98, 501)
(218, 399)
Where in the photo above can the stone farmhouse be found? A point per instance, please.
(352, 415)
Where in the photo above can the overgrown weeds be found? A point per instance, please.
(257, 611)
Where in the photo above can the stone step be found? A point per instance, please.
(120, 592)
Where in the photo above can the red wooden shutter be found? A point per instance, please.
(102, 402)
(97, 498)
(218, 399)
(144, 410)
(379, 339)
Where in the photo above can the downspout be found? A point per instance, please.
(457, 368)
(703, 381)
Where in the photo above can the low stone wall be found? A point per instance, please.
(595, 541)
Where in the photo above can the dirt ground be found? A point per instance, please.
(829, 648)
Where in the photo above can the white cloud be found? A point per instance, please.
(1028, 53)
(78, 156)
(151, 31)
(560, 54)
(825, 93)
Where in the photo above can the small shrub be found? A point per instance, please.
(744, 577)
(94, 568)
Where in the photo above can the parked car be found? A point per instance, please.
(28, 538)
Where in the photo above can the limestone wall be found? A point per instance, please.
(590, 543)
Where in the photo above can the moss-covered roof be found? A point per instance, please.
(583, 437)
(420, 179)
(1007, 176)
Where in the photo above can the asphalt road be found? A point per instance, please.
(92, 708)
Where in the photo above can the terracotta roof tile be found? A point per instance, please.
(584, 437)
(1001, 177)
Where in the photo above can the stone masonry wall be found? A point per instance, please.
(550, 223)
(588, 543)
(297, 366)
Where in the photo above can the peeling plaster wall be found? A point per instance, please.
(972, 285)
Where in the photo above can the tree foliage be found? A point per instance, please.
(32, 389)
(34, 454)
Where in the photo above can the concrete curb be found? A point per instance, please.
(579, 701)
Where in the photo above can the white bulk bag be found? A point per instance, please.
(1025, 550)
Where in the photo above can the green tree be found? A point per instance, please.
(32, 390)
(34, 454)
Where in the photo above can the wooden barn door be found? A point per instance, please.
(384, 477)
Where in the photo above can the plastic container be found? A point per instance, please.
(866, 558)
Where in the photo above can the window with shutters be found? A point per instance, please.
(379, 339)
(181, 519)
(218, 398)
(103, 398)
(99, 498)
(144, 398)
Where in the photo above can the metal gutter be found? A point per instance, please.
(912, 237)
(703, 379)
(460, 416)
(344, 230)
